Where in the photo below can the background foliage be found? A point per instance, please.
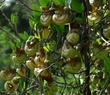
(20, 22)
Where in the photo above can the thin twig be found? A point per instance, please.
(28, 89)
(10, 23)
(12, 37)
(28, 6)
(103, 39)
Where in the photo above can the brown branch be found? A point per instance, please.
(84, 49)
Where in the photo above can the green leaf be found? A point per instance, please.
(45, 83)
(12, 45)
(24, 36)
(36, 6)
(59, 28)
(18, 42)
(80, 19)
(77, 6)
(100, 54)
(58, 2)
(43, 2)
(104, 56)
(13, 18)
(51, 46)
(106, 65)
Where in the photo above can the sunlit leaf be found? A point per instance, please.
(43, 2)
(59, 1)
(13, 18)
